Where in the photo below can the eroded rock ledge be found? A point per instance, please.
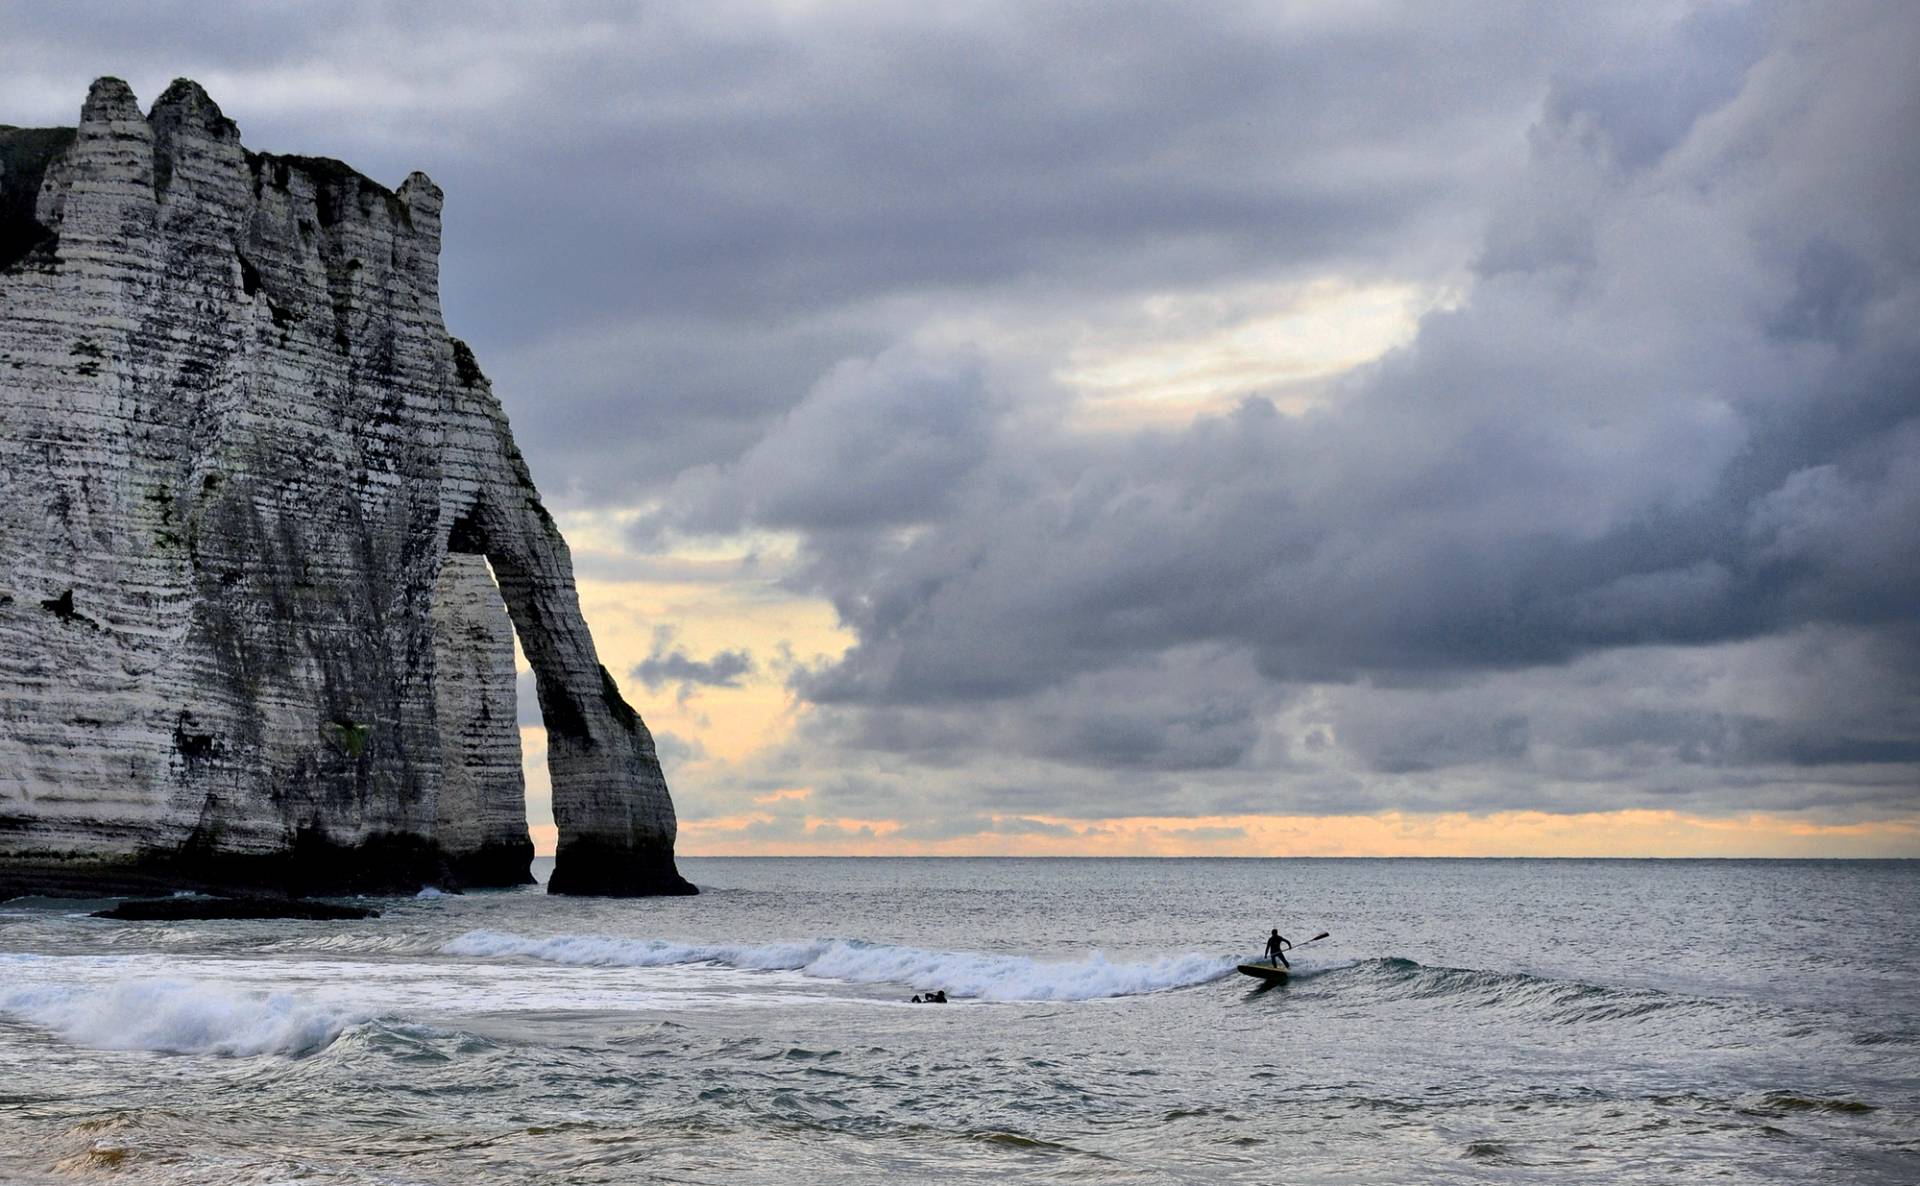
(262, 530)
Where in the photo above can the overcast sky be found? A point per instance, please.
(1178, 428)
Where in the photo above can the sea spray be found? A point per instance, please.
(975, 975)
(178, 1016)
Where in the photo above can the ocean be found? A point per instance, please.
(1467, 1021)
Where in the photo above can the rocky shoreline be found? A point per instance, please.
(202, 909)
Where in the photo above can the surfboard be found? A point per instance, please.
(1266, 972)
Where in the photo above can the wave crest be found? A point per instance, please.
(970, 974)
(178, 1016)
(1560, 1001)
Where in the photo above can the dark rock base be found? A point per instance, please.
(184, 909)
(312, 865)
(494, 866)
(585, 869)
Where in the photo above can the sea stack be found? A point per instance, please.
(263, 527)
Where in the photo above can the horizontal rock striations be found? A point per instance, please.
(258, 516)
(483, 797)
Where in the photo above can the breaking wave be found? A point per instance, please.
(178, 1016)
(970, 974)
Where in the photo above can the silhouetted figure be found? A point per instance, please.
(938, 998)
(1275, 942)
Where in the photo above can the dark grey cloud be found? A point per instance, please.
(1803, 722)
(663, 223)
(1645, 98)
(1185, 711)
(669, 663)
(1634, 522)
(1679, 408)
(876, 444)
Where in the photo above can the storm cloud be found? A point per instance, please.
(1626, 515)
(1677, 416)
(669, 663)
(665, 224)
(1645, 441)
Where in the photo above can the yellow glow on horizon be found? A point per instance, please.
(1630, 833)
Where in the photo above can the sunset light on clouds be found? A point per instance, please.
(1266, 430)
(852, 591)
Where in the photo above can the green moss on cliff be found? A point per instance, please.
(351, 736)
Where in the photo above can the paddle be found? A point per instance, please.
(1315, 939)
(1298, 946)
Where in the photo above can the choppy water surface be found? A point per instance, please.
(1609, 1021)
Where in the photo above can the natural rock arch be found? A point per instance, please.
(610, 800)
(238, 447)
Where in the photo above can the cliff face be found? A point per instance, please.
(483, 798)
(246, 483)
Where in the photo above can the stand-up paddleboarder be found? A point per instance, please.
(1275, 942)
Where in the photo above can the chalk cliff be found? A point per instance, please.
(259, 515)
(483, 798)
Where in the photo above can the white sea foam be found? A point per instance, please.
(977, 975)
(180, 1016)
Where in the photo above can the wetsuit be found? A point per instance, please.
(1273, 949)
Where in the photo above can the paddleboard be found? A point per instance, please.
(1266, 972)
